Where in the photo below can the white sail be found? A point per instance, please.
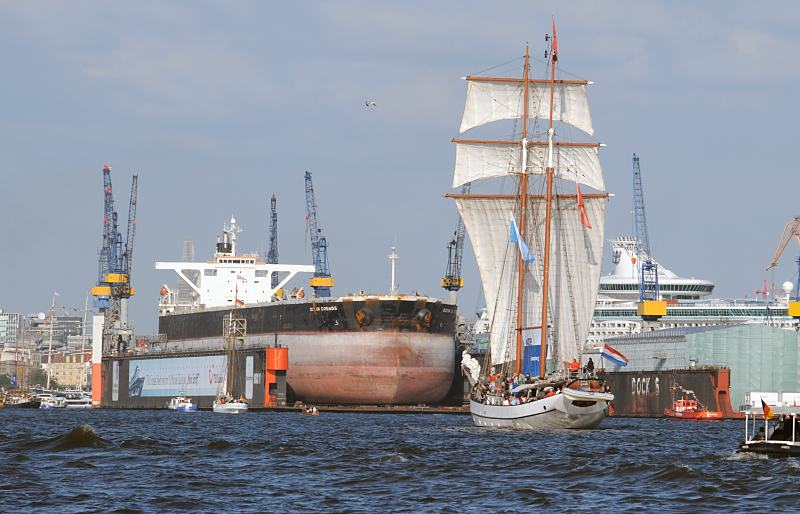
(480, 160)
(576, 255)
(487, 223)
(489, 101)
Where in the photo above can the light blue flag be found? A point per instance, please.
(514, 237)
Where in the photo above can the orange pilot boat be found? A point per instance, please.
(692, 410)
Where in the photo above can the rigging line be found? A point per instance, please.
(560, 69)
(488, 357)
(497, 66)
(570, 282)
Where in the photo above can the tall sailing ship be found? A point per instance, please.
(538, 250)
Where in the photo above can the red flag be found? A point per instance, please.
(582, 207)
(555, 42)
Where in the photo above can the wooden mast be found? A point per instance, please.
(548, 213)
(523, 196)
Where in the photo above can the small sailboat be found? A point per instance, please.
(181, 403)
(228, 405)
(235, 331)
(538, 249)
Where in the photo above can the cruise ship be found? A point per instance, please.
(689, 301)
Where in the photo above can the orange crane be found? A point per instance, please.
(791, 229)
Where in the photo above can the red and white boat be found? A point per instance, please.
(692, 410)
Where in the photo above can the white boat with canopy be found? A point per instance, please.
(538, 250)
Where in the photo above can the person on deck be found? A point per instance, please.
(574, 367)
(590, 367)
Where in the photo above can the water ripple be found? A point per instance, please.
(153, 461)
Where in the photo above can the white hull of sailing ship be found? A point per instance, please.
(233, 407)
(539, 249)
(569, 409)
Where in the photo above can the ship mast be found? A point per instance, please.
(491, 99)
(523, 200)
(548, 208)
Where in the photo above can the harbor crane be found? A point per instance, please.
(453, 281)
(113, 289)
(322, 281)
(650, 306)
(272, 254)
(790, 230)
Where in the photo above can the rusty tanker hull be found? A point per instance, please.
(388, 350)
(647, 394)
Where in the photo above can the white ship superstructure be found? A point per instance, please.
(228, 279)
(688, 300)
(623, 282)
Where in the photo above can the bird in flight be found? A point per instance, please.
(370, 103)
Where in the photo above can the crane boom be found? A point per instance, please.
(322, 281)
(272, 255)
(790, 230)
(640, 219)
(453, 281)
(648, 268)
(131, 226)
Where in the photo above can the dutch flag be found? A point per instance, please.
(614, 356)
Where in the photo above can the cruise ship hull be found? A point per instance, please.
(347, 351)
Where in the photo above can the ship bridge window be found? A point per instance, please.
(210, 273)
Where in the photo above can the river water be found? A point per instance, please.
(154, 461)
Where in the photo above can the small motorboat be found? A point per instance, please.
(22, 402)
(228, 405)
(182, 403)
(48, 401)
(78, 400)
(781, 439)
(311, 411)
(691, 410)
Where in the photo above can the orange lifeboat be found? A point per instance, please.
(691, 410)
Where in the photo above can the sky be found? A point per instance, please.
(216, 105)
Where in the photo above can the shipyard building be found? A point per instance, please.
(760, 357)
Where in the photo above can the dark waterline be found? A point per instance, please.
(158, 461)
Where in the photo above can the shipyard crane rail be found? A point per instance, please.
(453, 281)
(322, 281)
(272, 254)
(790, 230)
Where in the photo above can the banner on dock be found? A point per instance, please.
(190, 376)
